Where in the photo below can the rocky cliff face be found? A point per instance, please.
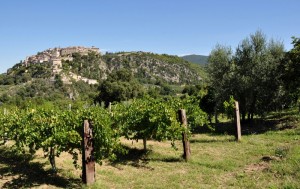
(147, 67)
(168, 68)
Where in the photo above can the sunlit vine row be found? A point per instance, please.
(56, 131)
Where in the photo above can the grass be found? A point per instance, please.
(27, 171)
(269, 158)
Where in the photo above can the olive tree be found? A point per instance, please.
(251, 75)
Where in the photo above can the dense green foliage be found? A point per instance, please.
(192, 90)
(56, 130)
(20, 73)
(229, 107)
(157, 119)
(44, 91)
(208, 103)
(85, 65)
(290, 68)
(148, 119)
(119, 86)
(251, 75)
(196, 117)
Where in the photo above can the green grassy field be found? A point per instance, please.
(267, 157)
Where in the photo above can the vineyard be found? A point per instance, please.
(57, 130)
(267, 156)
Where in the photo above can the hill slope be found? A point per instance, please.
(146, 67)
(71, 79)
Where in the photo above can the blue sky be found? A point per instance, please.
(175, 27)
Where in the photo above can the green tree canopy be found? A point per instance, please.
(291, 69)
(220, 72)
(120, 85)
(251, 75)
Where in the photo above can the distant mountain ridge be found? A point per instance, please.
(198, 59)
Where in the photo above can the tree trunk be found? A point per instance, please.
(242, 105)
(243, 116)
(216, 117)
(52, 159)
(106, 104)
(145, 143)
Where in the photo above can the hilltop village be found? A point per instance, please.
(56, 55)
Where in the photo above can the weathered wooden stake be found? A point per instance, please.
(88, 162)
(145, 143)
(109, 107)
(5, 137)
(238, 122)
(185, 141)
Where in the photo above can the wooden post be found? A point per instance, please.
(5, 137)
(145, 144)
(88, 162)
(185, 141)
(109, 107)
(238, 122)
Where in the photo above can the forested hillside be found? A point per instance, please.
(156, 74)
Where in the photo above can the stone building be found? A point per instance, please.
(56, 56)
(52, 55)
